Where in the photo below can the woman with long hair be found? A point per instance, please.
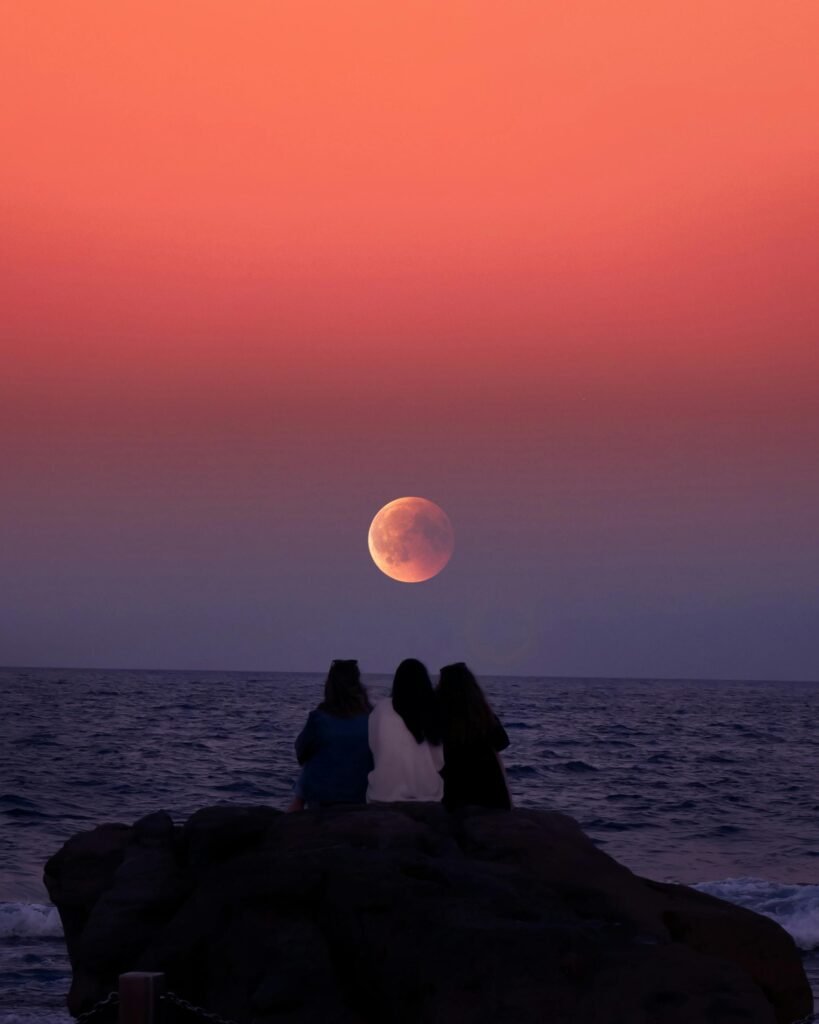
(473, 739)
(333, 747)
(405, 740)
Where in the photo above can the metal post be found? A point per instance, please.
(139, 994)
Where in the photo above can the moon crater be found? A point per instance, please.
(411, 539)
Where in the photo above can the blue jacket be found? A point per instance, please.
(336, 756)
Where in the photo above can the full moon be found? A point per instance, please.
(411, 539)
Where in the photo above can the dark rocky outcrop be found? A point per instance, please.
(405, 913)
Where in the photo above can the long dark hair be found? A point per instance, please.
(344, 693)
(414, 700)
(466, 716)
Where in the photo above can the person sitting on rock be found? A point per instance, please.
(405, 740)
(333, 746)
(473, 738)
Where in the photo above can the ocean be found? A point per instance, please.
(708, 783)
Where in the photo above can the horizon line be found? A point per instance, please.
(484, 675)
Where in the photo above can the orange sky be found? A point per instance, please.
(243, 160)
(291, 198)
(587, 229)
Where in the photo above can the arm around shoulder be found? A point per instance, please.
(374, 727)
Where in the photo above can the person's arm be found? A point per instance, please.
(499, 737)
(307, 739)
(373, 731)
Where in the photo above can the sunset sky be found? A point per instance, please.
(266, 266)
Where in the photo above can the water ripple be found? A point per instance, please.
(717, 778)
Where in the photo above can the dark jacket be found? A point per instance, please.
(336, 756)
(473, 773)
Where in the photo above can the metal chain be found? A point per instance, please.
(175, 1000)
(112, 999)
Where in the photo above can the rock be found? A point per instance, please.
(154, 829)
(410, 915)
(81, 872)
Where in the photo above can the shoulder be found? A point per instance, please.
(317, 719)
(383, 717)
(310, 720)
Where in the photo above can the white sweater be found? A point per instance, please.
(404, 769)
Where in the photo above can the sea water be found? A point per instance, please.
(708, 783)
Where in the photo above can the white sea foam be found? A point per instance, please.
(795, 907)
(34, 920)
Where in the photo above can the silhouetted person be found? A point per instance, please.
(473, 738)
(405, 739)
(333, 745)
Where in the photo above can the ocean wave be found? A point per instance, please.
(795, 907)
(519, 771)
(14, 801)
(33, 920)
(36, 1015)
(609, 825)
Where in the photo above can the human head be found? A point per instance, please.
(344, 693)
(465, 712)
(414, 700)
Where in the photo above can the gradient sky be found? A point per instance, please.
(266, 266)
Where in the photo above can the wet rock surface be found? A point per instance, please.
(406, 913)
